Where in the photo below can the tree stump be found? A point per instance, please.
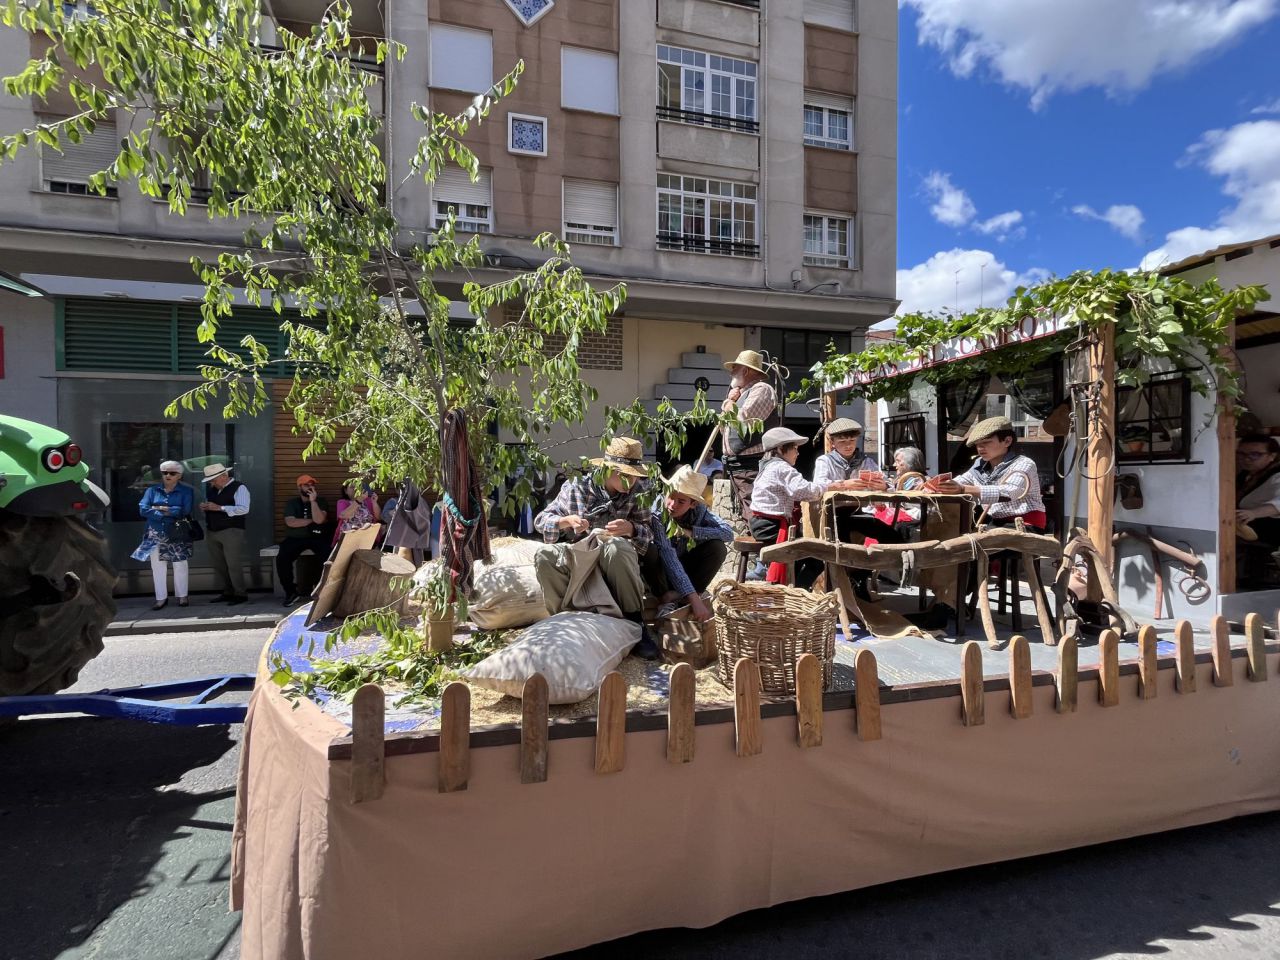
(368, 583)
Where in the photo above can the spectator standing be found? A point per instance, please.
(305, 519)
(167, 540)
(225, 508)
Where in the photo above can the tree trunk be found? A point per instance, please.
(368, 583)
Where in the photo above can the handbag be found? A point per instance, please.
(188, 530)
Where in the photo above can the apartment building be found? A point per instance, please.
(732, 161)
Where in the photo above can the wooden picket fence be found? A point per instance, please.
(368, 741)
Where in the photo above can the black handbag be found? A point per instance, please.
(187, 530)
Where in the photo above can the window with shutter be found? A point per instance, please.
(461, 59)
(591, 212)
(69, 171)
(472, 202)
(828, 120)
(838, 14)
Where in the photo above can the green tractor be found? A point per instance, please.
(55, 582)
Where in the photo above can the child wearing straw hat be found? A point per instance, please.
(680, 566)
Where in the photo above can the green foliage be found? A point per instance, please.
(1161, 323)
(401, 659)
(438, 595)
(288, 143)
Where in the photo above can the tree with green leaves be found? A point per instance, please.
(286, 140)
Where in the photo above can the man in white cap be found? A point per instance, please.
(753, 399)
(225, 510)
(680, 566)
(583, 505)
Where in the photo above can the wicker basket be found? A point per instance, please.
(773, 625)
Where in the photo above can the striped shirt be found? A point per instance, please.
(1010, 488)
(583, 497)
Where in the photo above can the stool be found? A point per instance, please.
(747, 548)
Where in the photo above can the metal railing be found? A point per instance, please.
(718, 120)
(692, 243)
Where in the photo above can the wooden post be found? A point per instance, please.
(611, 724)
(455, 738)
(746, 707)
(1148, 671)
(808, 700)
(829, 414)
(866, 695)
(1068, 674)
(1020, 678)
(1257, 647)
(533, 730)
(1222, 676)
(680, 708)
(1102, 448)
(1109, 668)
(972, 695)
(1226, 425)
(368, 743)
(1184, 641)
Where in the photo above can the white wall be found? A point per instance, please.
(28, 388)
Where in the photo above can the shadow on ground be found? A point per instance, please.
(115, 840)
(1176, 894)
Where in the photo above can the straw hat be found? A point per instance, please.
(687, 481)
(214, 470)
(987, 428)
(623, 455)
(779, 436)
(747, 358)
(842, 425)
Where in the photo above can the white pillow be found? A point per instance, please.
(573, 651)
(506, 597)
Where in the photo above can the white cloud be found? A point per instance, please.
(1124, 218)
(960, 279)
(1247, 157)
(1046, 46)
(1002, 225)
(1266, 108)
(951, 205)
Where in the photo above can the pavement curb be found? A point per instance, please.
(252, 621)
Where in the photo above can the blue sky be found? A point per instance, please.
(1038, 136)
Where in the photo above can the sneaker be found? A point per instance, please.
(290, 599)
(235, 600)
(646, 649)
(221, 598)
(758, 572)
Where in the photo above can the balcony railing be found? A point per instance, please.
(692, 243)
(718, 120)
(753, 4)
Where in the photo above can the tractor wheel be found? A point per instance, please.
(55, 601)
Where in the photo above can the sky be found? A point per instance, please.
(1039, 137)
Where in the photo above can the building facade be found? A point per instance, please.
(734, 163)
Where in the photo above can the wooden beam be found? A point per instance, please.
(808, 700)
(454, 763)
(746, 707)
(1148, 669)
(1226, 417)
(866, 695)
(972, 694)
(611, 724)
(1257, 647)
(680, 708)
(924, 554)
(1101, 454)
(533, 730)
(1020, 678)
(368, 743)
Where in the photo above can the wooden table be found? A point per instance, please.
(942, 517)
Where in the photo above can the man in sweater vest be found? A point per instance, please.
(224, 512)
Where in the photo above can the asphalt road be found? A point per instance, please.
(114, 843)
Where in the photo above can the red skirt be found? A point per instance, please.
(778, 571)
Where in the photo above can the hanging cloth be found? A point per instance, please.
(464, 530)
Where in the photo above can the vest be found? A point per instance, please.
(226, 497)
(849, 472)
(735, 442)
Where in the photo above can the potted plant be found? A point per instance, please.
(443, 608)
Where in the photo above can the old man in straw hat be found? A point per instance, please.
(753, 398)
(679, 566)
(225, 510)
(584, 505)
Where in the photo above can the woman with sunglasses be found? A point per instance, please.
(165, 540)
